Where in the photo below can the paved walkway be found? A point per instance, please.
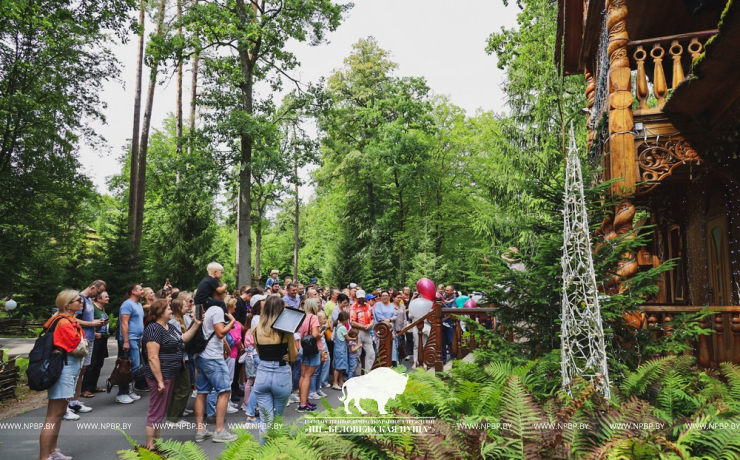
(94, 436)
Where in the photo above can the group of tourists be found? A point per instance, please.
(219, 348)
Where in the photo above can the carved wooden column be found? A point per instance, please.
(735, 328)
(719, 338)
(705, 350)
(384, 357)
(621, 140)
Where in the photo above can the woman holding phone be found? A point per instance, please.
(100, 350)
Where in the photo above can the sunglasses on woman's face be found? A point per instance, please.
(78, 299)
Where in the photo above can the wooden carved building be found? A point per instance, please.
(663, 91)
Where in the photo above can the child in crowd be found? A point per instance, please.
(355, 347)
(251, 360)
(340, 349)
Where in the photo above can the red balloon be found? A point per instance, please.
(470, 303)
(426, 288)
(439, 297)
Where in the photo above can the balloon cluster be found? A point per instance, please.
(423, 305)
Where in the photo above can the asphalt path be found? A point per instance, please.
(95, 435)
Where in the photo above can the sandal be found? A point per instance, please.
(87, 394)
(99, 390)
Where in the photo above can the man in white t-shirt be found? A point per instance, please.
(213, 374)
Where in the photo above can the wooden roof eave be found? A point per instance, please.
(579, 34)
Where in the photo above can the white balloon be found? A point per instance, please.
(10, 305)
(419, 307)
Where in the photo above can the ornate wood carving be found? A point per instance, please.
(657, 160)
(384, 357)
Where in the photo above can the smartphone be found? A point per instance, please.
(199, 312)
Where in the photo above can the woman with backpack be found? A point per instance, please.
(68, 339)
(310, 332)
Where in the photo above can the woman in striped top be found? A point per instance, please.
(163, 344)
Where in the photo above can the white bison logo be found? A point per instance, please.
(381, 385)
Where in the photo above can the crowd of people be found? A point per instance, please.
(220, 348)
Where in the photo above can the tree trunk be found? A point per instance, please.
(144, 144)
(134, 185)
(247, 59)
(193, 94)
(178, 145)
(258, 248)
(297, 211)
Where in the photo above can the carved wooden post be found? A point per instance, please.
(705, 352)
(667, 329)
(421, 345)
(719, 328)
(735, 328)
(641, 84)
(676, 51)
(384, 357)
(621, 141)
(438, 342)
(660, 87)
(652, 321)
(456, 339)
(590, 98)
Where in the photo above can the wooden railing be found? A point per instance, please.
(720, 346)
(430, 350)
(676, 51)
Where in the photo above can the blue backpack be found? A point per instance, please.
(44, 365)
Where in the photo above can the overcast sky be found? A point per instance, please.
(442, 41)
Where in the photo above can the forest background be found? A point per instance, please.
(406, 184)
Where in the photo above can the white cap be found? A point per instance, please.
(256, 298)
(352, 285)
(360, 294)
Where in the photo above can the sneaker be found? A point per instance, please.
(287, 404)
(233, 404)
(124, 399)
(294, 397)
(134, 396)
(69, 415)
(231, 410)
(58, 455)
(314, 396)
(186, 412)
(224, 436)
(325, 385)
(309, 403)
(194, 394)
(336, 387)
(306, 408)
(200, 437)
(322, 394)
(80, 408)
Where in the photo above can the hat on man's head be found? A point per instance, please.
(370, 297)
(274, 271)
(256, 299)
(360, 294)
(352, 285)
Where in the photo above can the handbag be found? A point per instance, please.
(121, 374)
(82, 348)
(309, 344)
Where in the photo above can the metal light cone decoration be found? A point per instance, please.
(582, 335)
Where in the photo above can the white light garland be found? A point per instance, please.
(582, 335)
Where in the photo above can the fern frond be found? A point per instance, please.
(175, 450)
(520, 412)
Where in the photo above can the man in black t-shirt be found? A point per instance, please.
(210, 285)
(242, 302)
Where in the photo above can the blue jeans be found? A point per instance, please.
(251, 403)
(135, 356)
(352, 363)
(320, 376)
(297, 369)
(272, 389)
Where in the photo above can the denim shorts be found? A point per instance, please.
(88, 356)
(313, 361)
(212, 374)
(64, 388)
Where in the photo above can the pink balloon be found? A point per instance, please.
(426, 288)
(470, 303)
(439, 297)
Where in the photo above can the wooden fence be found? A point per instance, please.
(17, 327)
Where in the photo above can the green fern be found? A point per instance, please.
(174, 450)
(520, 412)
(244, 448)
